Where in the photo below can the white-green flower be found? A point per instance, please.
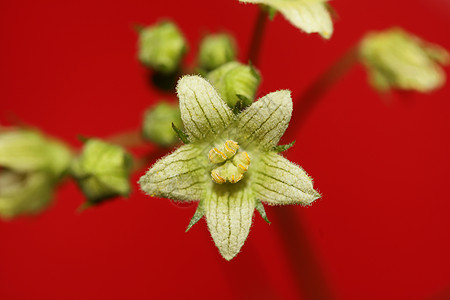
(230, 164)
(311, 16)
(395, 58)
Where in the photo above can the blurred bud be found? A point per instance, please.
(28, 151)
(24, 193)
(397, 59)
(31, 166)
(235, 81)
(157, 124)
(102, 171)
(161, 47)
(216, 50)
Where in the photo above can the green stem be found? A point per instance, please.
(127, 139)
(257, 37)
(314, 93)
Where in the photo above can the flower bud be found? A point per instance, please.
(395, 58)
(235, 81)
(24, 193)
(102, 171)
(28, 151)
(31, 165)
(216, 50)
(157, 124)
(161, 47)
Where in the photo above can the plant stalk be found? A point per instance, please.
(315, 92)
(257, 37)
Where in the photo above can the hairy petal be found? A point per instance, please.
(179, 176)
(278, 181)
(308, 15)
(202, 110)
(265, 121)
(229, 213)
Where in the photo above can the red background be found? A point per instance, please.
(381, 230)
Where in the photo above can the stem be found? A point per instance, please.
(127, 139)
(311, 97)
(309, 277)
(257, 37)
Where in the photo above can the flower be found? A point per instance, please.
(310, 16)
(395, 58)
(229, 164)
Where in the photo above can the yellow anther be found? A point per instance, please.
(216, 177)
(233, 178)
(233, 164)
(246, 158)
(230, 148)
(242, 168)
(216, 156)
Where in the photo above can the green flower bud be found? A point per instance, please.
(31, 165)
(235, 81)
(395, 58)
(216, 50)
(28, 151)
(102, 171)
(161, 47)
(157, 124)
(24, 193)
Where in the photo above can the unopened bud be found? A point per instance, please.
(157, 124)
(102, 171)
(395, 58)
(235, 81)
(31, 165)
(216, 50)
(161, 47)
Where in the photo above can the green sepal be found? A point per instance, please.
(282, 148)
(199, 213)
(82, 138)
(254, 71)
(138, 27)
(183, 137)
(271, 12)
(260, 208)
(240, 104)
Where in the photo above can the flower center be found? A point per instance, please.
(233, 163)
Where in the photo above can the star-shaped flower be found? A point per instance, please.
(311, 16)
(230, 164)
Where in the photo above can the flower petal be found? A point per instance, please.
(202, 110)
(229, 211)
(265, 121)
(278, 181)
(178, 176)
(307, 15)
